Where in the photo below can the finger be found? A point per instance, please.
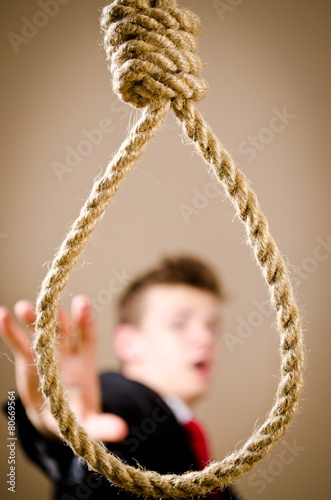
(106, 427)
(83, 316)
(25, 312)
(15, 337)
(65, 331)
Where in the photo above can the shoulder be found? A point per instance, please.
(155, 436)
(129, 399)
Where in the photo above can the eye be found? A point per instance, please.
(177, 325)
(214, 328)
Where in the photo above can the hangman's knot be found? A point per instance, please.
(151, 46)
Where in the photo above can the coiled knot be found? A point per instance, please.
(151, 46)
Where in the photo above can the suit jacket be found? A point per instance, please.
(156, 441)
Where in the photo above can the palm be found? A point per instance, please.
(76, 354)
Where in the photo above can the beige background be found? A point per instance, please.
(259, 56)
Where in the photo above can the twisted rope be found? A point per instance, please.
(151, 46)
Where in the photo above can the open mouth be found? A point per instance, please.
(203, 368)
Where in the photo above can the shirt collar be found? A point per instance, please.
(181, 410)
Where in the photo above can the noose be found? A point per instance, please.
(151, 46)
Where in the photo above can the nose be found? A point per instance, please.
(203, 335)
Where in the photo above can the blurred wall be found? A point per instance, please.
(262, 60)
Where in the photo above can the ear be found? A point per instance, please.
(126, 343)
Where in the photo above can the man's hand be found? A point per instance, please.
(76, 355)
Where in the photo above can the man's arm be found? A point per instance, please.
(76, 353)
(51, 455)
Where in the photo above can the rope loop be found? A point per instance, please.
(152, 49)
(151, 45)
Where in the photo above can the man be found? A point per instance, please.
(166, 339)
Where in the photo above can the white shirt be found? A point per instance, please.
(181, 410)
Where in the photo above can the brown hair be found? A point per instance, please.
(178, 269)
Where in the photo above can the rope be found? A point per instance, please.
(151, 46)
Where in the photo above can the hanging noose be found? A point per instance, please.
(151, 46)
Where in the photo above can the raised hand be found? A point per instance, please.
(76, 354)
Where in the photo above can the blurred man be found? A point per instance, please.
(166, 337)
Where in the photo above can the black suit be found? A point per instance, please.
(156, 441)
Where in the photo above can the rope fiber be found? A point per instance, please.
(151, 47)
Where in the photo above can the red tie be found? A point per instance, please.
(198, 444)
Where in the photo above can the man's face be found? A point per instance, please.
(179, 335)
